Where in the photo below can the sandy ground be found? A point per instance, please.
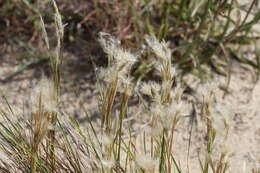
(242, 107)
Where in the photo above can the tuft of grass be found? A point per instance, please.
(59, 144)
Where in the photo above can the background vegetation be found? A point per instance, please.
(200, 32)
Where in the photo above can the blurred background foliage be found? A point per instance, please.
(200, 32)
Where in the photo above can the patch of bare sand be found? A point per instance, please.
(242, 104)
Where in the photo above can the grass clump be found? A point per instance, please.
(56, 142)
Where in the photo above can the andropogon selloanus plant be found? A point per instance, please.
(113, 143)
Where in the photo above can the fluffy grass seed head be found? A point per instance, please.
(123, 62)
(146, 89)
(120, 60)
(173, 112)
(124, 57)
(159, 48)
(169, 70)
(108, 43)
(150, 88)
